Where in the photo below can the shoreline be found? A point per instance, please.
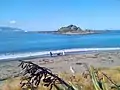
(102, 59)
(32, 55)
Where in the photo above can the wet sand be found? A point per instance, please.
(63, 63)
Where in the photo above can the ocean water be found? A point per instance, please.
(25, 44)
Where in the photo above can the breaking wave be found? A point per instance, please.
(38, 54)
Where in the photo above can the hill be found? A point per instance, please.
(10, 29)
(73, 29)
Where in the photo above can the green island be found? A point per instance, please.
(73, 30)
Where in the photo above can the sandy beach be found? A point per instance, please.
(63, 63)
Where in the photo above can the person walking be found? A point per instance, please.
(51, 54)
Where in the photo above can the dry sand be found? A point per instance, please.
(63, 63)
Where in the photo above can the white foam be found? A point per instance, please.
(33, 54)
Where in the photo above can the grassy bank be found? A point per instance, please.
(80, 81)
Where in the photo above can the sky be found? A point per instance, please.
(46, 15)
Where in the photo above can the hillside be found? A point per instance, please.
(73, 29)
(10, 29)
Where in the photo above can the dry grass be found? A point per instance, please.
(113, 73)
(78, 80)
(11, 84)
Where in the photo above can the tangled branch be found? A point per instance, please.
(34, 74)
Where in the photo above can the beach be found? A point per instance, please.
(60, 64)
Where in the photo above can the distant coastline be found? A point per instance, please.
(68, 30)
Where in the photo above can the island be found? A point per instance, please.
(72, 30)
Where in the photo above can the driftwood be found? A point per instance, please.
(33, 75)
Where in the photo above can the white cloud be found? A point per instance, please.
(12, 22)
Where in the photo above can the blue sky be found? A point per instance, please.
(52, 14)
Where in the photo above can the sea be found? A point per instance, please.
(15, 45)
